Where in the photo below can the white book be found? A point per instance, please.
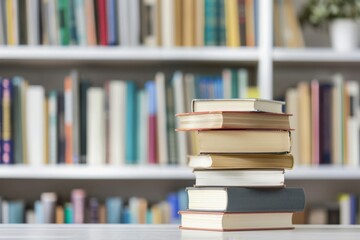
(95, 126)
(178, 84)
(167, 28)
(80, 22)
(190, 93)
(117, 110)
(143, 126)
(345, 209)
(134, 22)
(35, 132)
(162, 145)
(123, 24)
(5, 212)
(32, 19)
(352, 88)
(292, 107)
(53, 23)
(48, 201)
(30, 217)
(337, 124)
(226, 79)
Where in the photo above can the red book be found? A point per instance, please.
(152, 139)
(102, 23)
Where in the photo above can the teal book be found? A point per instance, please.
(149, 217)
(19, 120)
(68, 213)
(126, 215)
(130, 133)
(16, 212)
(64, 21)
(210, 23)
(39, 212)
(114, 210)
(221, 29)
(234, 84)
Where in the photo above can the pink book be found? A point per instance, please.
(315, 121)
(78, 201)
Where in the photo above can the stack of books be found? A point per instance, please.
(243, 148)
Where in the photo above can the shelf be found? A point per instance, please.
(314, 55)
(323, 173)
(157, 173)
(73, 53)
(94, 172)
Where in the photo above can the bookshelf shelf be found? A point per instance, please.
(54, 53)
(97, 172)
(314, 55)
(157, 173)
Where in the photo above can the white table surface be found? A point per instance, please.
(169, 232)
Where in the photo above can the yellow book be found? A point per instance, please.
(156, 214)
(232, 23)
(199, 21)
(188, 25)
(10, 22)
(59, 215)
(178, 28)
(304, 130)
(46, 132)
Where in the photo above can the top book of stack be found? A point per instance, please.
(237, 105)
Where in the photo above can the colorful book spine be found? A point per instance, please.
(111, 22)
(221, 28)
(53, 123)
(113, 209)
(78, 202)
(94, 210)
(210, 23)
(7, 156)
(64, 21)
(130, 132)
(68, 213)
(151, 89)
(102, 22)
(80, 22)
(73, 23)
(68, 117)
(242, 22)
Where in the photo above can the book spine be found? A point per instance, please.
(250, 23)
(53, 22)
(94, 210)
(48, 201)
(17, 116)
(90, 23)
(102, 22)
(64, 22)
(315, 122)
(52, 119)
(210, 23)
(78, 202)
(113, 210)
(242, 22)
(7, 138)
(72, 22)
(80, 22)
(76, 143)
(151, 89)
(61, 139)
(84, 86)
(68, 213)
(68, 117)
(325, 118)
(130, 132)
(142, 126)
(112, 21)
(221, 29)
(22, 23)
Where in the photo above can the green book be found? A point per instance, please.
(210, 23)
(64, 21)
(221, 29)
(234, 84)
(17, 114)
(68, 213)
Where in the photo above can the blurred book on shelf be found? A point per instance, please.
(117, 123)
(80, 209)
(129, 23)
(326, 114)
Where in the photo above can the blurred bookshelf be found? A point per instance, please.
(266, 62)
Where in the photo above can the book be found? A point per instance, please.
(240, 178)
(210, 23)
(149, 25)
(325, 122)
(48, 201)
(250, 23)
(64, 22)
(292, 107)
(216, 221)
(78, 202)
(130, 131)
(188, 23)
(123, 12)
(241, 161)
(39, 212)
(95, 126)
(113, 210)
(53, 127)
(80, 17)
(221, 23)
(117, 110)
(94, 210)
(68, 213)
(352, 88)
(61, 142)
(7, 155)
(162, 142)
(35, 116)
(199, 22)
(168, 23)
(243, 141)
(242, 22)
(315, 122)
(232, 120)
(90, 23)
(142, 126)
(3, 30)
(102, 22)
(152, 122)
(304, 123)
(179, 21)
(256, 105)
(16, 212)
(59, 215)
(251, 200)
(83, 87)
(74, 40)
(232, 23)
(52, 14)
(112, 22)
(172, 144)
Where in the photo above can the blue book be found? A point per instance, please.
(39, 212)
(149, 217)
(353, 208)
(111, 22)
(126, 215)
(7, 156)
(131, 131)
(183, 200)
(16, 212)
(113, 209)
(172, 199)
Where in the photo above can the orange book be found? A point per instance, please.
(68, 120)
(250, 23)
(90, 26)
